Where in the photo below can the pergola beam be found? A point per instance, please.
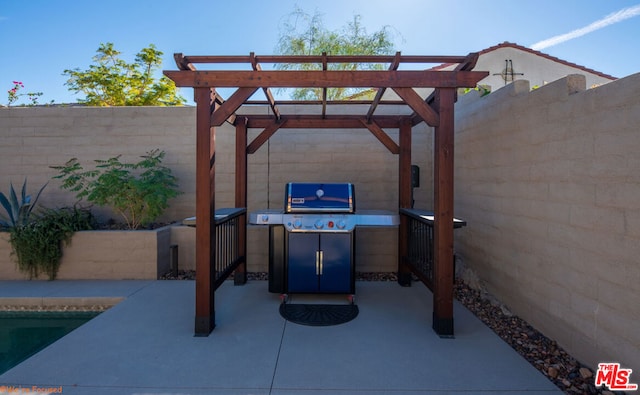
(331, 78)
(328, 122)
(319, 59)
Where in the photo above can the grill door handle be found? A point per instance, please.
(317, 263)
(321, 261)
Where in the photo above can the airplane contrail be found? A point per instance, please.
(610, 19)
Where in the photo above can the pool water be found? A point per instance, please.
(24, 333)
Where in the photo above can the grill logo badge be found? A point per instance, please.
(614, 377)
(297, 200)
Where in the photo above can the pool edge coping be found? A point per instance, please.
(48, 303)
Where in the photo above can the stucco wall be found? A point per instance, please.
(549, 182)
(34, 138)
(536, 69)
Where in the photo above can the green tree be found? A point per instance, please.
(304, 34)
(111, 81)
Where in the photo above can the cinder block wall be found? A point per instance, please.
(34, 138)
(549, 182)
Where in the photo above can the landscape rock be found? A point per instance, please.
(586, 373)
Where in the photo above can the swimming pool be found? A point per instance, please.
(24, 333)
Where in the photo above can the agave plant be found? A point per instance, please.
(18, 211)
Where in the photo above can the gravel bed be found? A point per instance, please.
(544, 354)
(568, 374)
(263, 276)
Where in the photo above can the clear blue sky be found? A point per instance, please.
(39, 39)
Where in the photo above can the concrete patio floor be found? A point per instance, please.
(145, 345)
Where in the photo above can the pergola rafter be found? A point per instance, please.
(376, 100)
(437, 110)
(267, 91)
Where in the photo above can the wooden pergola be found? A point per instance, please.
(437, 110)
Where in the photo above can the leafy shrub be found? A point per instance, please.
(38, 244)
(483, 89)
(138, 198)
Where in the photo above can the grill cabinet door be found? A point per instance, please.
(302, 267)
(320, 263)
(336, 262)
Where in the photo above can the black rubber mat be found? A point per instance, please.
(318, 314)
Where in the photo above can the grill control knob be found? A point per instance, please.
(265, 218)
(297, 224)
(319, 224)
(341, 224)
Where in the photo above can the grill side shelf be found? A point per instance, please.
(266, 217)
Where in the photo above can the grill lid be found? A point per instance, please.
(317, 197)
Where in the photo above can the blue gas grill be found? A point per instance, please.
(312, 240)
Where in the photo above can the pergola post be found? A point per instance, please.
(205, 319)
(443, 214)
(405, 201)
(240, 275)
